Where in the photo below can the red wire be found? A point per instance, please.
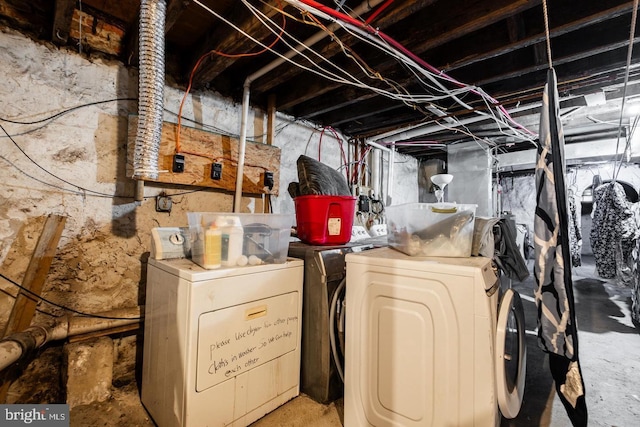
(378, 11)
(226, 55)
(344, 156)
(400, 47)
(320, 142)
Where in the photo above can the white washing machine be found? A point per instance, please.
(221, 347)
(430, 342)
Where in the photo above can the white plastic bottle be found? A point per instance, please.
(212, 247)
(232, 239)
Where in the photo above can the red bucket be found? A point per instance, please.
(324, 220)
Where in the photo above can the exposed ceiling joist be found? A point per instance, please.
(62, 20)
(498, 46)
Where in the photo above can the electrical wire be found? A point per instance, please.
(358, 27)
(332, 333)
(378, 11)
(340, 142)
(405, 97)
(346, 78)
(428, 71)
(35, 298)
(66, 111)
(178, 148)
(83, 192)
(87, 190)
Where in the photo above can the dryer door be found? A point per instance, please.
(511, 354)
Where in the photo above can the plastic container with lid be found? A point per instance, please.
(431, 229)
(246, 238)
(324, 220)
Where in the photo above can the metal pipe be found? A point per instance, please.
(362, 8)
(378, 146)
(139, 195)
(414, 131)
(392, 159)
(15, 346)
(242, 146)
(376, 165)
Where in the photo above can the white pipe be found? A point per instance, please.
(242, 145)
(364, 7)
(414, 131)
(375, 173)
(392, 159)
(376, 145)
(14, 346)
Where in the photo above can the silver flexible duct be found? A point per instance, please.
(150, 89)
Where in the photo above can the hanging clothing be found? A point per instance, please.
(635, 293)
(575, 235)
(557, 330)
(595, 183)
(507, 255)
(614, 230)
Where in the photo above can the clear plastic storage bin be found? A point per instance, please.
(431, 229)
(224, 239)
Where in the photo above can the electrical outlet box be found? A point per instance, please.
(178, 163)
(268, 179)
(216, 171)
(358, 232)
(378, 230)
(363, 204)
(163, 203)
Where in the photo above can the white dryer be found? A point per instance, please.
(430, 342)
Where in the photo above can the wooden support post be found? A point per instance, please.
(35, 276)
(25, 306)
(271, 135)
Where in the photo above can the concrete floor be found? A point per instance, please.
(609, 356)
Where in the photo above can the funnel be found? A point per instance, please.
(441, 180)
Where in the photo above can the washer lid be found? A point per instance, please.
(511, 354)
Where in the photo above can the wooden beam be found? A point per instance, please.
(35, 276)
(318, 106)
(201, 149)
(227, 40)
(564, 54)
(398, 11)
(449, 22)
(271, 119)
(62, 21)
(464, 19)
(25, 305)
(271, 136)
(539, 37)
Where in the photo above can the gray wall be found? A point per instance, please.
(470, 166)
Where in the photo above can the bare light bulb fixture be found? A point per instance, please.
(441, 180)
